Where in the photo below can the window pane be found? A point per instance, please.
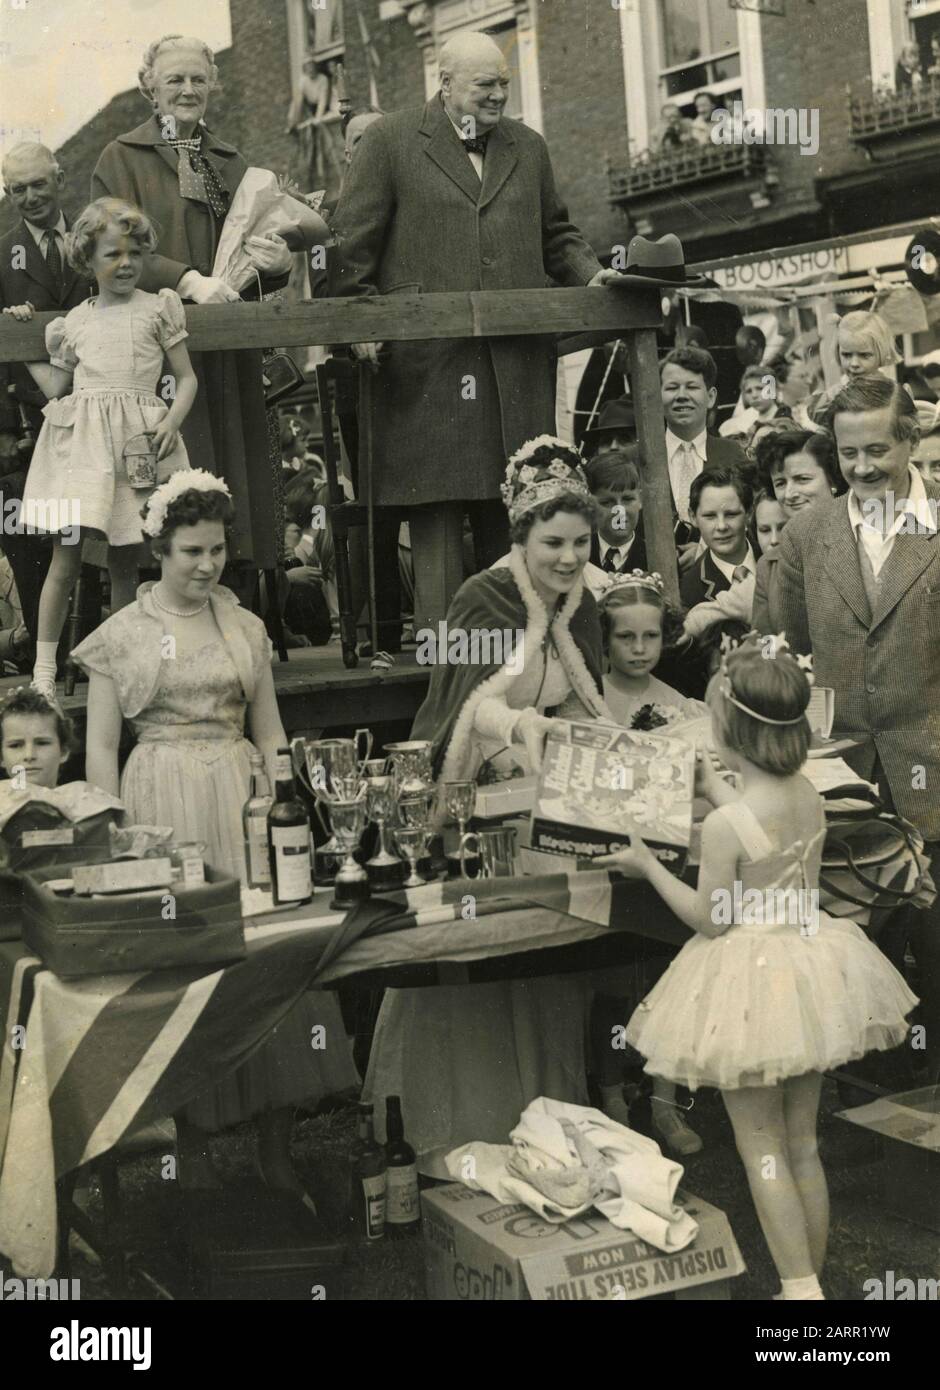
(682, 37)
(722, 26)
(726, 68)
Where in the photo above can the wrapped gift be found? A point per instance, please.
(114, 933)
(600, 783)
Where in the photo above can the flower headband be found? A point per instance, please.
(545, 467)
(779, 643)
(183, 480)
(637, 579)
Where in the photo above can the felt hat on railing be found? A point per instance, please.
(663, 262)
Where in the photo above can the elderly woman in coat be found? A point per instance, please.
(183, 175)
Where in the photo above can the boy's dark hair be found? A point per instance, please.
(692, 359)
(780, 367)
(614, 468)
(721, 477)
(301, 495)
(25, 700)
(755, 372)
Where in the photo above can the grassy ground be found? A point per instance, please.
(866, 1241)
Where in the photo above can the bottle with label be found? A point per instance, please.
(255, 826)
(288, 838)
(403, 1208)
(367, 1179)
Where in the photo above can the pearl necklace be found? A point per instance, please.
(175, 612)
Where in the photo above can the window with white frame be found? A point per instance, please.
(924, 23)
(699, 51)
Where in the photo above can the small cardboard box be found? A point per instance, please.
(479, 1249)
(909, 1129)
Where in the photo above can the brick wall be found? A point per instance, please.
(259, 82)
(832, 51)
(583, 111)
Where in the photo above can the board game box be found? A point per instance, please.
(599, 783)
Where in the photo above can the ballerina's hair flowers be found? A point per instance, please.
(183, 480)
(773, 645)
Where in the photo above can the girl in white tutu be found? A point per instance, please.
(770, 992)
(105, 362)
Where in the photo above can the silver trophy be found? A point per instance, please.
(348, 819)
(385, 868)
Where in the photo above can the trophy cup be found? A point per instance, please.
(384, 868)
(351, 884)
(459, 800)
(329, 770)
(413, 842)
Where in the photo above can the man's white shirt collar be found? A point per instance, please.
(37, 233)
(673, 442)
(620, 551)
(916, 504)
(728, 569)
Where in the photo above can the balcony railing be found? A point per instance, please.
(658, 173)
(881, 113)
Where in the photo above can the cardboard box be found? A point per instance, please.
(599, 783)
(909, 1129)
(122, 876)
(479, 1249)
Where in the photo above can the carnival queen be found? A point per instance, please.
(467, 1061)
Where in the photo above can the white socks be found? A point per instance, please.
(45, 665)
(805, 1289)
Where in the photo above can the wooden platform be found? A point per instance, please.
(316, 692)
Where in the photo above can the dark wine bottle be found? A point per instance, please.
(288, 838)
(402, 1208)
(367, 1171)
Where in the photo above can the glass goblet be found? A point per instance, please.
(348, 819)
(379, 807)
(412, 841)
(459, 802)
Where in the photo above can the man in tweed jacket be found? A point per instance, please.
(422, 212)
(859, 586)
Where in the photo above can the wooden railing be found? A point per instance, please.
(659, 173)
(579, 316)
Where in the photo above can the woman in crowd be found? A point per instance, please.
(926, 455)
(185, 664)
(703, 125)
(467, 1061)
(184, 176)
(798, 468)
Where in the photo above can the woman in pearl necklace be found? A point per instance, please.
(185, 665)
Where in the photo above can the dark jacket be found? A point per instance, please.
(24, 276)
(703, 581)
(414, 216)
(636, 560)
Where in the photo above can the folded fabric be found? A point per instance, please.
(76, 801)
(565, 1159)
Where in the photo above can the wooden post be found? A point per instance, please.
(651, 432)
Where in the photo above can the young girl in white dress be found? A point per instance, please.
(637, 622)
(768, 994)
(108, 353)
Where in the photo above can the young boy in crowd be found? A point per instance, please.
(720, 501)
(35, 739)
(617, 546)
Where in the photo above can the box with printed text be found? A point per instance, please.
(477, 1248)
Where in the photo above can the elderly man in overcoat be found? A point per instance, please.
(455, 196)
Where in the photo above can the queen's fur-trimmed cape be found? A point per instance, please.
(504, 599)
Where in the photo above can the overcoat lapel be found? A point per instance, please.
(842, 564)
(443, 146)
(910, 556)
(498, 162)
(35, 266)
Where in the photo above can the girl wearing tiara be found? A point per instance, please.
(638, 624)
(107, 354)
(185, 665)
(770, 992)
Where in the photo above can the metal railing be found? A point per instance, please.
(658, 173)
(879, 113)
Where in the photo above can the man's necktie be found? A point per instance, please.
(685, 461)
(741, 573)
(477, 145)
(611, 565)
(54, 260)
